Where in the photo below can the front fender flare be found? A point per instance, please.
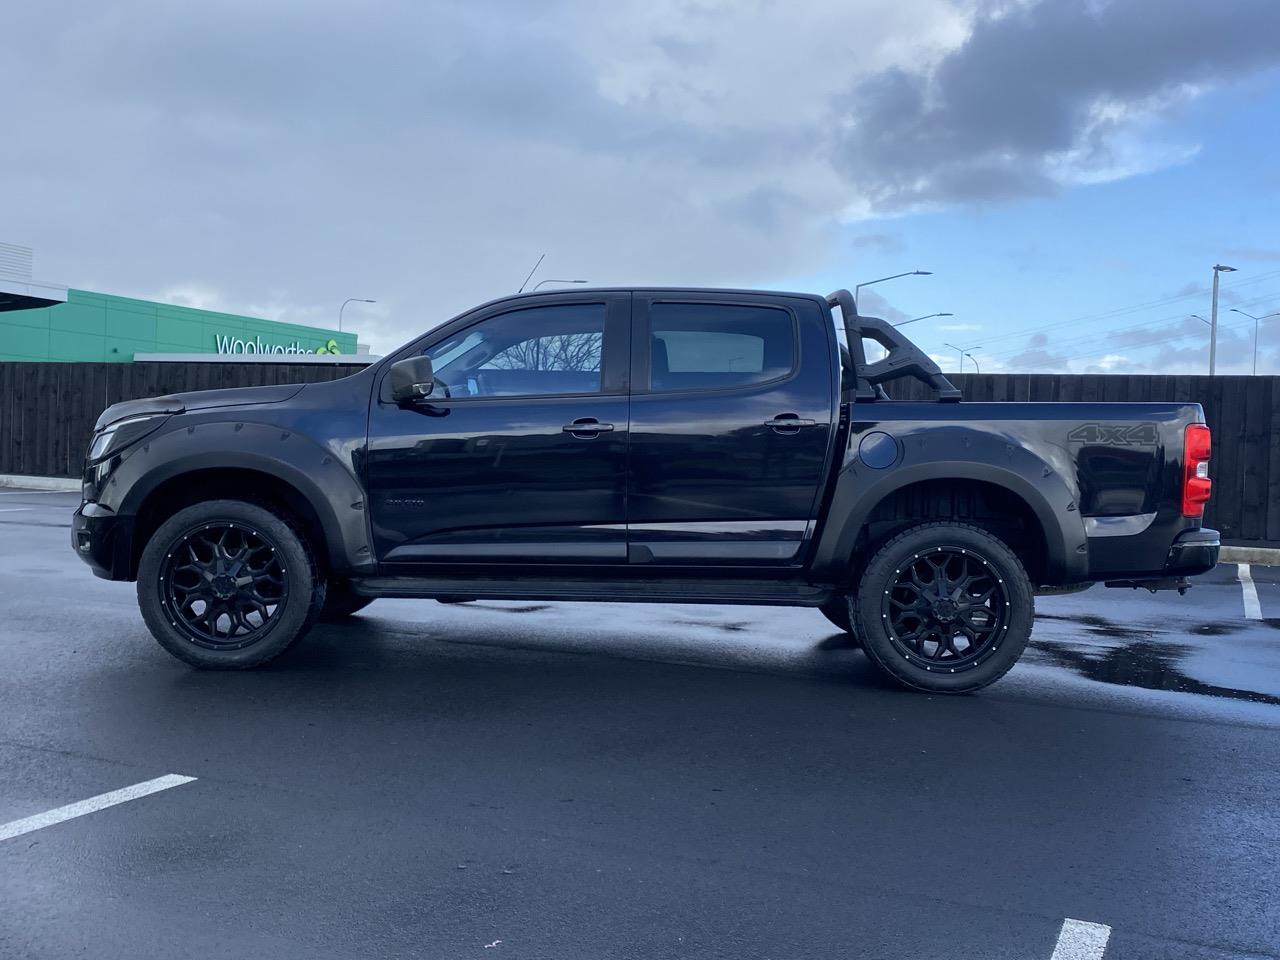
(329, 486)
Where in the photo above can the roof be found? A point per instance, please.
(19, 294)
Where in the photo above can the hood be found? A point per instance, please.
(197, 400)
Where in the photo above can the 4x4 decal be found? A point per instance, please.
(1116, 434)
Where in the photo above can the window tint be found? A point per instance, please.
(706, 346)
(539, 351)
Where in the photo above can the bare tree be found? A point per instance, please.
(578, 352)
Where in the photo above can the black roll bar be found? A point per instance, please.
(904, 358)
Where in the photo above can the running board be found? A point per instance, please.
(762, 592)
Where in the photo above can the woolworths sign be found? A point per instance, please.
(230, 344)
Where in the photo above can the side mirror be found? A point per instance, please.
(412, 379)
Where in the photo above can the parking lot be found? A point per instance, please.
(558, 780)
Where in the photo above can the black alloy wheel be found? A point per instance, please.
(228, 584)
(946, 608)
(223, 584)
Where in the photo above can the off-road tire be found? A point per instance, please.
(287, 624)
(917, 673)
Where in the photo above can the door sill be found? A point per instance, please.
(754, 592)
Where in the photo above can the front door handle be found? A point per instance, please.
(789, 423)
(584, 428)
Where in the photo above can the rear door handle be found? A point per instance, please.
(586, 427)
(789, 422)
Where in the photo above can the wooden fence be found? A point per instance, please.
(1243, 413)
(47, 411)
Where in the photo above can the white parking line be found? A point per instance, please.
(17, 828)
(1252, 607)
(13, 509)
(1081, 940)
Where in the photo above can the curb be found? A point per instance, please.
(1264, 556)
(60, 484)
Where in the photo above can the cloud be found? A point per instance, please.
(880, 242)
(282, 157)
(1042, 95)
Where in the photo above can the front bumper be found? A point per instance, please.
(103, 540)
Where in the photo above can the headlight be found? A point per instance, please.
(116, 436)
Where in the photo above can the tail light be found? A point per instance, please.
(1196, 484)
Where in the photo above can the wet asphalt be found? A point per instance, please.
(574, 781)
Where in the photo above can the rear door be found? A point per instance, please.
(731, 422)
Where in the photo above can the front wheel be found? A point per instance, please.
(945, 607)
(228, 585)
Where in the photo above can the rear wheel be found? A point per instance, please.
(945, 607)
(228, 585)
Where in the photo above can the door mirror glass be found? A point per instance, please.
(412, 379)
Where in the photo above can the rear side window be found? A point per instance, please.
(710, 346)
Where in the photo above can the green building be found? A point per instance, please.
(42, 322)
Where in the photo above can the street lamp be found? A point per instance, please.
(927, 316)
(541, 282)
(964, 352)
(909, 273)
(1213, 315)
(1255, 332)
(974, 359)
(344, 306)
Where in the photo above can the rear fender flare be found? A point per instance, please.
(859, 489)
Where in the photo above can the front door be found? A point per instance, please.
(731, 421)
(519, 456)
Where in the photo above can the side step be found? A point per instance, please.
(761, 592)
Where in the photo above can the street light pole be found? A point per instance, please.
(541, 282)
(909, 273)
(959, 350)
(344, 306)
(927, 316)
(1213, 318)
(976, 368)
(1255, 333)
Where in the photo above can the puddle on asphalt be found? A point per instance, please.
(728, 627)
(1147, 663)
(1099, 626)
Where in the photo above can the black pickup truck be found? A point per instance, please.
(658, 445)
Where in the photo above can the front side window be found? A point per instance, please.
(538, 351)
(708, 346)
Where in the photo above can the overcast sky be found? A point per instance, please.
(1070, 171)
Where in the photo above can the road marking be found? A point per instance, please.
(1252, 608)
(103, 800)
(13, 509)
(32, 493)
(1081, 940)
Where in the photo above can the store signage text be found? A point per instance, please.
(229, 344)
